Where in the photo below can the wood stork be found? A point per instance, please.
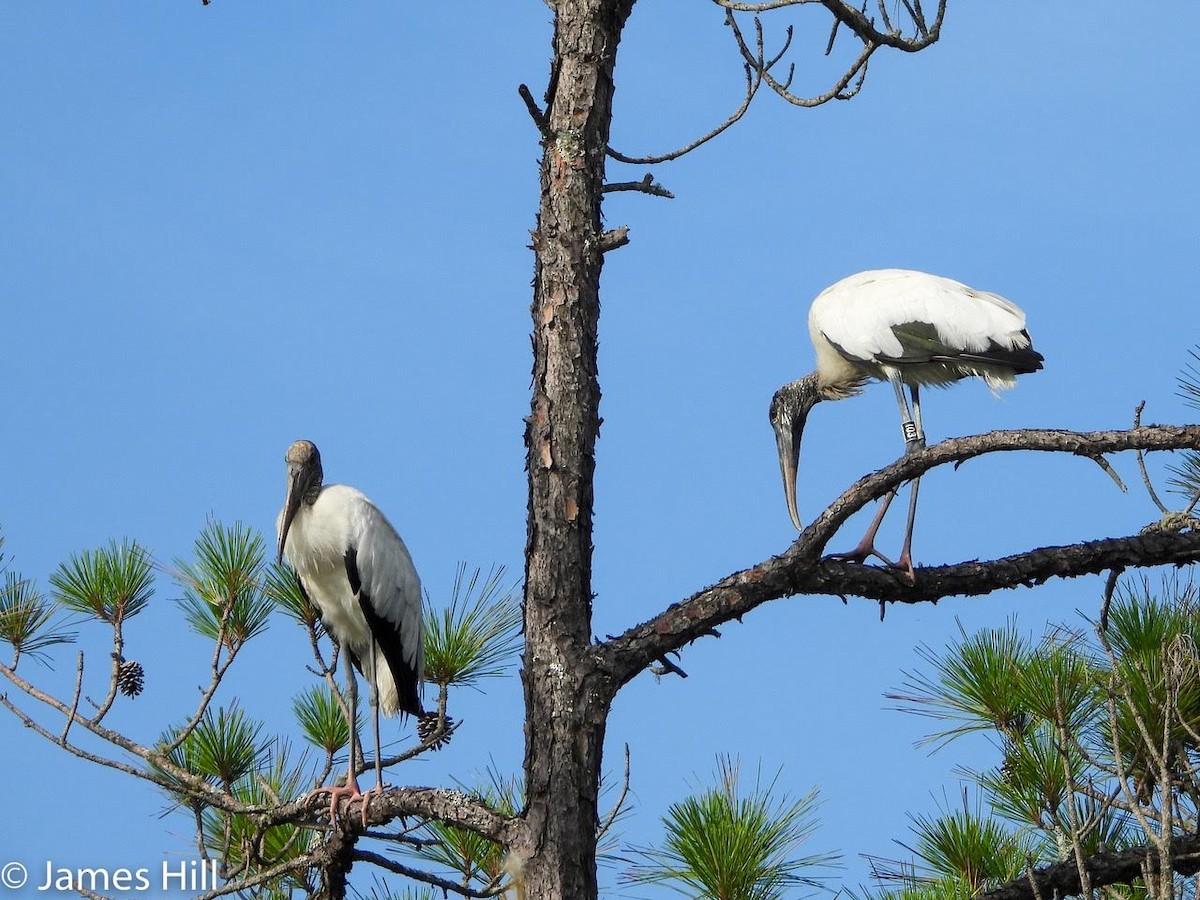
(909, 328)
(352, 564)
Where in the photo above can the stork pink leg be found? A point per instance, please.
(905, 563)
(866, 547)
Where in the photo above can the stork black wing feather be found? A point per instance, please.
(387, 637)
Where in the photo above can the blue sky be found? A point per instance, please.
(229, 227)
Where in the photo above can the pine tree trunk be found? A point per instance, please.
(566, 696)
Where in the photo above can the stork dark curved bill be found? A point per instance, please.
(910, 329)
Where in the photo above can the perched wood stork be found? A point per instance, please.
(353, 565)
(908, 328)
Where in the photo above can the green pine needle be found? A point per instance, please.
(967, 847)
(1189, 380)
(1187, 474)
(321, 718)
(283, 588)
(239, 839)
(721, 845)
(381, 890)
(1060, 676)
(477, 635)
(976, 683)
(223, 595)
(26, 618)
(111, 583)
(1033, 787)
(223, 748)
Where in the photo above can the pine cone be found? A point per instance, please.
(427, 726)
(131, 677)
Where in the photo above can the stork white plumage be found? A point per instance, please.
(908, 328)
(352, 564)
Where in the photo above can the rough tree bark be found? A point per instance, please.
(565, 710)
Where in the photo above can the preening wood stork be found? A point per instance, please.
(353, 565)
(909, 328)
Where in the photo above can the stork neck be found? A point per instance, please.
(312, 491)
(839, 389)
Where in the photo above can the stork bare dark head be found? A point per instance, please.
(304, 475)
(789, 412)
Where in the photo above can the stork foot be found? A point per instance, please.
(350, 790)
(904, 566)
(378, 791)
(860, 554)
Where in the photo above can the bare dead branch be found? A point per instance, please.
(866, 31)
(62, 738)
(1110, 587)
(105, 705)
(611, 240)
(837, 23)
(752, 85)
(1110, 472)
(535, 113)
(1141, 461)
(199, 787)
(800, 570)
(761, 7)
(646, 186)
(856, 21)
(429, 878)
(616, 810)
(261, 877)
(666, 667)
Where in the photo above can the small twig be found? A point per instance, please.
(418, 875)
(887, 19)
(1191, 506)
(646, 186)
(616, 810)
(837, 23)
(202, 848)
(230, 887)
(117, 656)
(1109, 587)
(1141, 461)
(753, 69)
(1033, 885)
(535, 113)
(1103, 464)
(611, 240)
(666, 667)
(74, 700)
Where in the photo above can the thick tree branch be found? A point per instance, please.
(446, 887)
(800, 570)
(452, 807)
